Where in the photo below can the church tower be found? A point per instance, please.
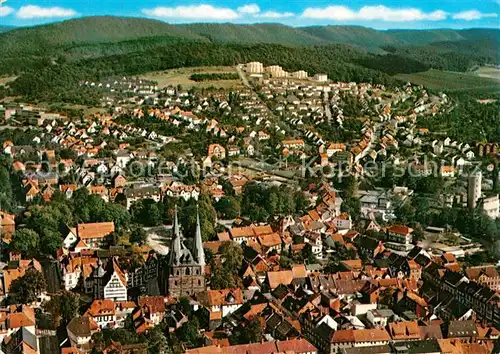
(186, 268)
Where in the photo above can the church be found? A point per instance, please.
(186, 268)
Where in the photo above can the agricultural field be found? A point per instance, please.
(453, 81)
(489, 72)
(181, 77)
(6, 79)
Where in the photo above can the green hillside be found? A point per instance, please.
(50, 60)
(44, 39)
(353, 35)
(255, 33)
(6, 28)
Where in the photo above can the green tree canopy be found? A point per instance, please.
(26, 289)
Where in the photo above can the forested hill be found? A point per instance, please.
(106, 29)
(6, 28)
(50, 60)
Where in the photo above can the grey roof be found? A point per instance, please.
(376, 349)
(418, 347)
(462, 329)
(80, 326)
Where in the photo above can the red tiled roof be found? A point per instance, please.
(283, 277)
(95, 230)
(400, 230)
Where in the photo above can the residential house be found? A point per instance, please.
(218, 304)
(136, 194)
(80, 331)
(102, 312)
(485, 275)
(216, 151)
(89, 236)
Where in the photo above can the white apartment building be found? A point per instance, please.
(491, 206)
(276, 71)
(301, 75)
(254, 67)
(321, 77)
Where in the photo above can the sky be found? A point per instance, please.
(379, 14)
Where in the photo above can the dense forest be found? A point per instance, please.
(470, 120)
(50, 60)
(214, 76)
(55, 37)
(58, 80)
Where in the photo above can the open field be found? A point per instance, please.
(181, 76)
(452, 81)
(489, 72)
(6, 79)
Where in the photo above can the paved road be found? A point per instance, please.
(326, 102)
(242, 76)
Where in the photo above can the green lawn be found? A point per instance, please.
(452, 81)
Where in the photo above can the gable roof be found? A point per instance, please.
(220, 297)
(82, 326)
(284, 277)
(95, 230)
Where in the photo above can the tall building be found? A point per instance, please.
(254, 67)
(474, 190)
(276, 71)
(320, 77)
(186, 268)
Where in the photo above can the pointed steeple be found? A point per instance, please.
(198, 241)
(175, 251)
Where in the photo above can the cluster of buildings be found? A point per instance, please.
(320, 281)
(257, 69)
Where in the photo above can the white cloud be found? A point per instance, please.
(195, 12)
(370, 13)
(273, 14)
(5, 11)
(32, 11)
(472, 15)
(249, 9)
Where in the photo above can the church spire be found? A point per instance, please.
(198, 241)
(175, 251)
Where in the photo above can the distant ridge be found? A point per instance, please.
(108, 29)
(6, 28)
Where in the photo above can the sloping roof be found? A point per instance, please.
(270, 240)
(299, 271)
(95, 230)
(155, 304)
(101, 308)
(284, 277)
(473, 273)
(262, 230)
(400, 230)
(82, 326)
(220, 297)
(21, 319)
(432, 331)
(404, 330)
(462, 329)
(245, 231)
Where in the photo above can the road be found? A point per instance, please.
(326, 101)
(242, 76)
(373, 142)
